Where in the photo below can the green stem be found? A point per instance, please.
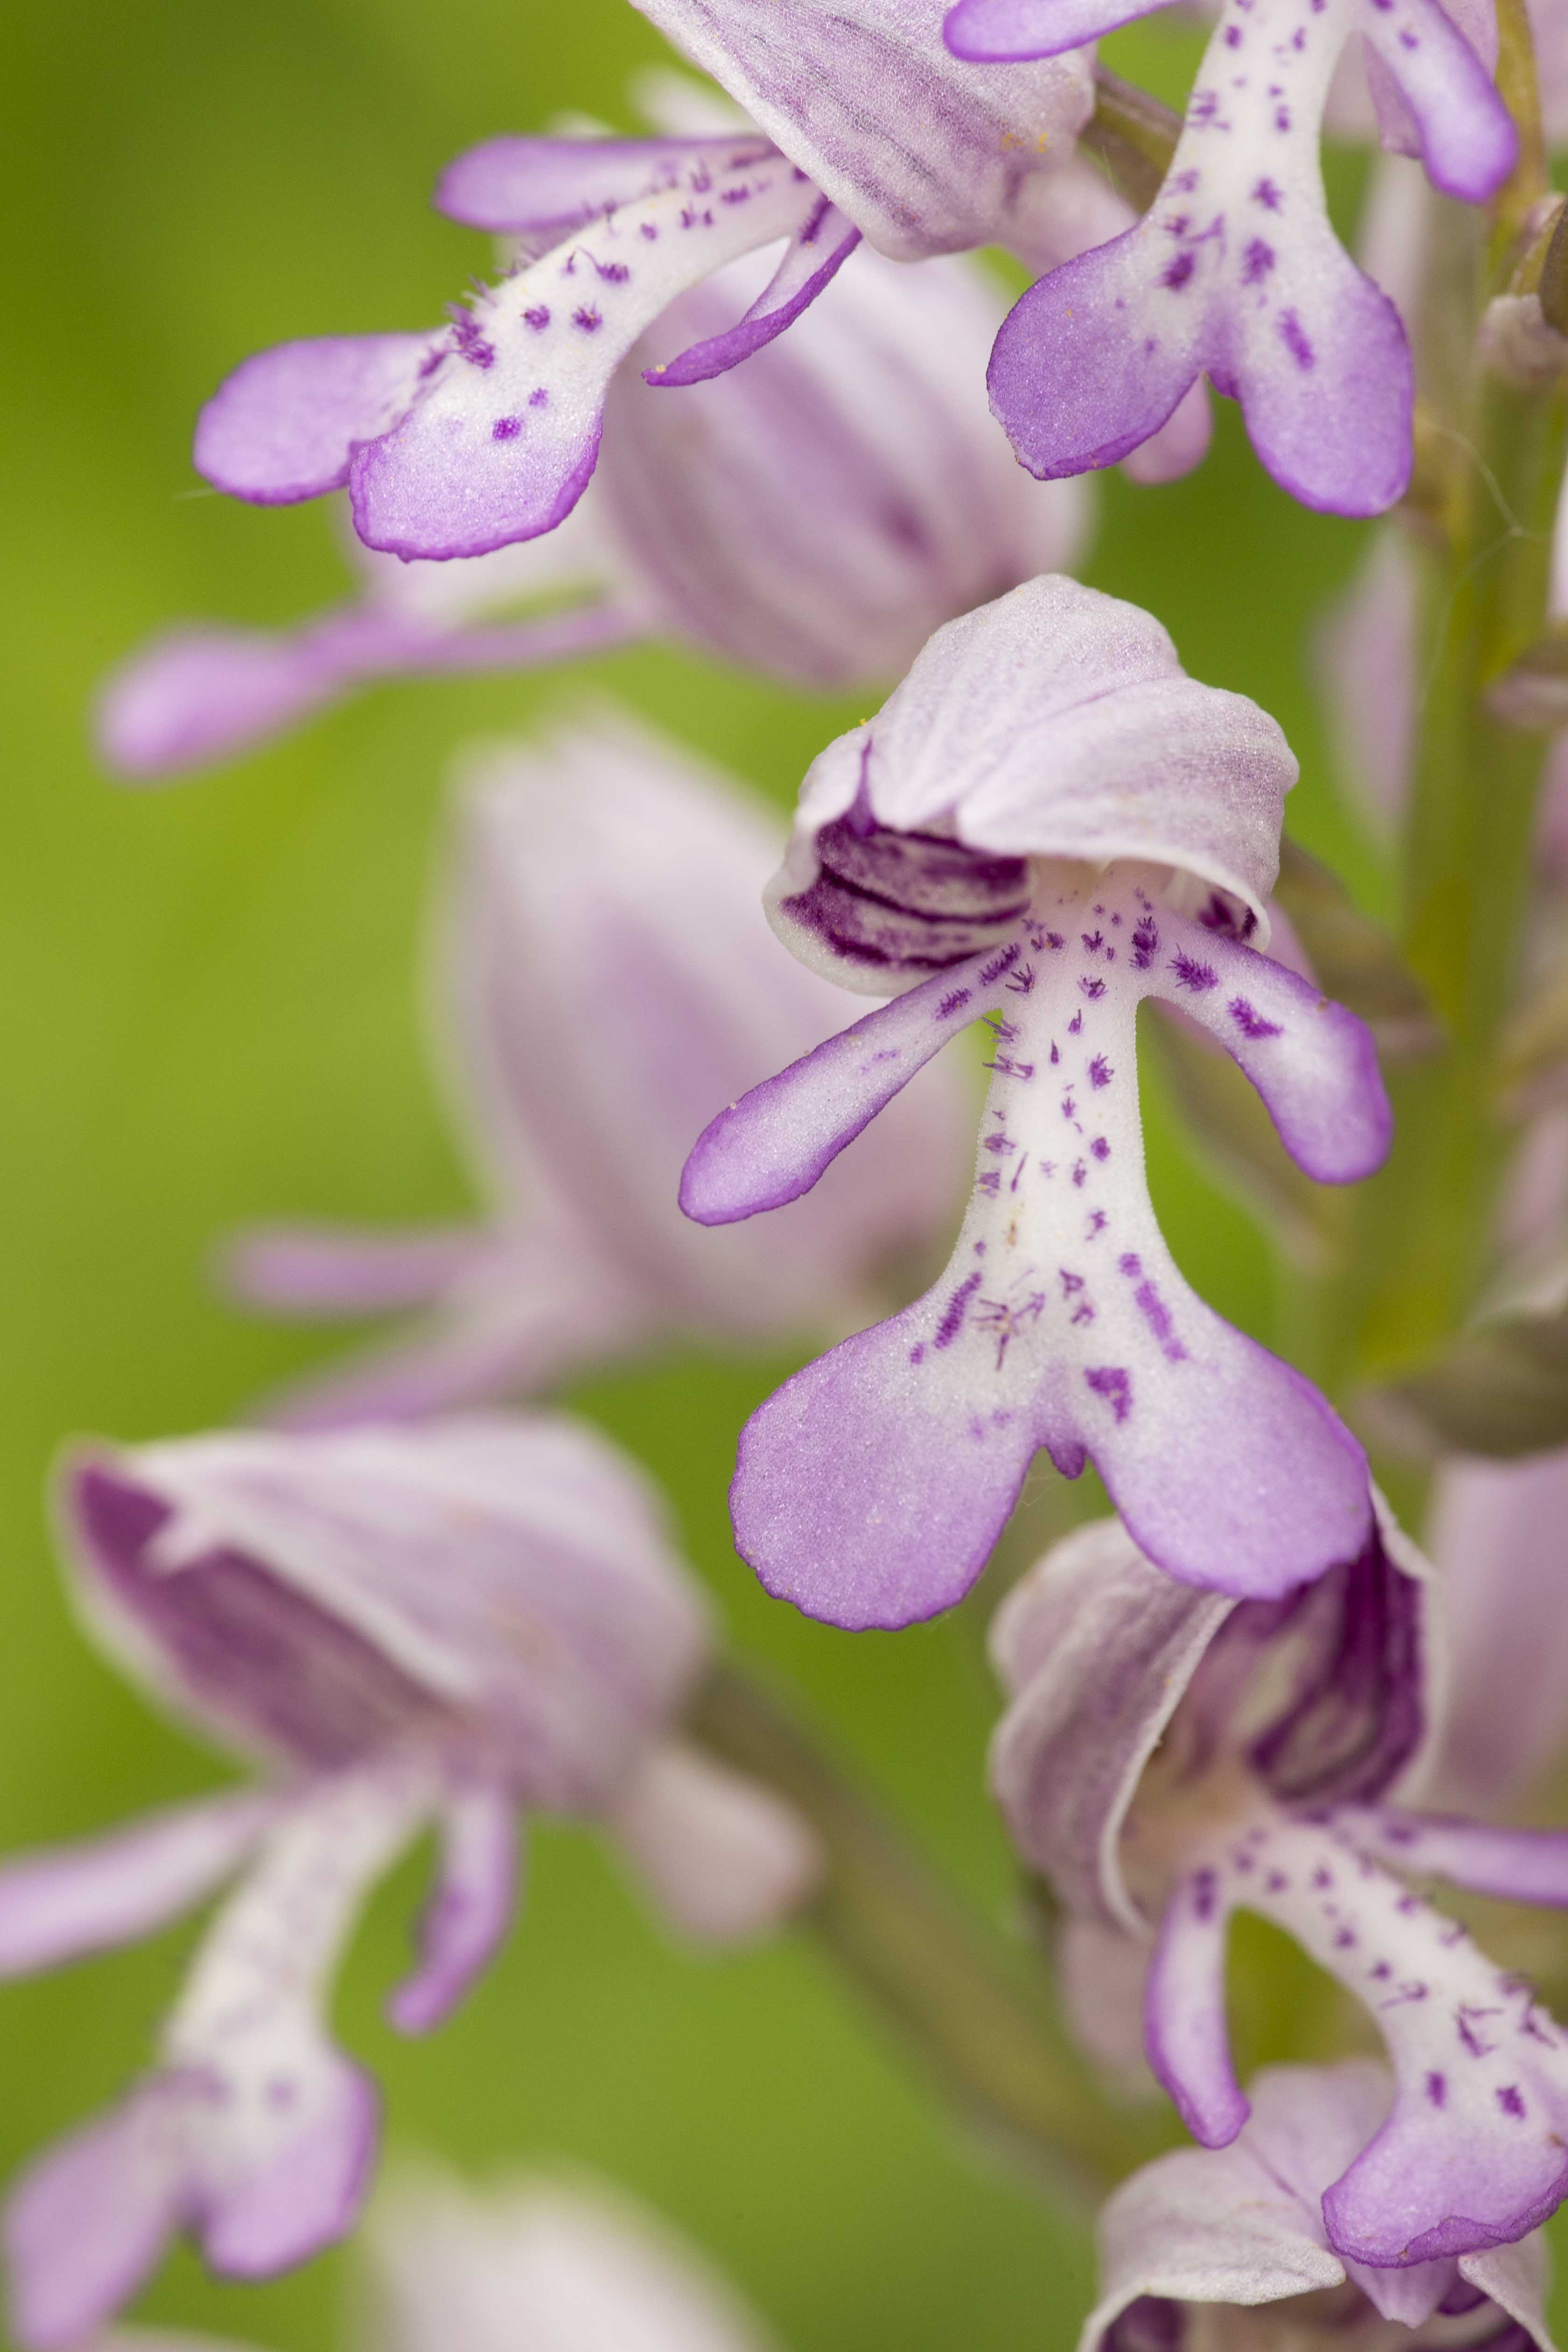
(1424, 1223)
(953, 1990)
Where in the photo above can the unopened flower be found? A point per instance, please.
(460, 440)
(1169, 1757)
(1049, 822)
(605, 975)
(814, 515)
(566, 2268)
(1223, 2250)
(1235, 272)
(453, 1627)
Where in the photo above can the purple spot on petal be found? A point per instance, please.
(589, 317)
(1294, 337)
(1267, 195)
(952, 1323)
(1177, 272)
(1100, 1071)
(1437, 2088)
(1111, 1382)
(538, 397)
(506, 428)
(537, 318)
(1205, 1894)
(1157, 1316)
(1511, 2101)
(1190, 974)
(1257, 262)
(1251, 1023)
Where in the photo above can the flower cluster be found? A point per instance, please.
(727, 389)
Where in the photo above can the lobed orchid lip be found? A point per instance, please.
(1062, 1321)
(1235, 271)
(1243, 2225)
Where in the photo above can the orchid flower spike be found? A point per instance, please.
(814, 516)
(449, 1628)
(460, 440)
(1049, 819)
(1225, 2247)
(555, 2267)
(605, 888)
(1235, 272)
(1168, 1758)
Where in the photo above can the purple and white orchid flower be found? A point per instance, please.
(446, 1628)
(1225, 2248)
(606, 889)
(1169, 1757)
(457, 441)
(815, 515)
(1235, 272)
(1050, 819)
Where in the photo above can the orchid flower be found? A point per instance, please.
(446, 1628)
(1225, 2247)
(814, 516)
(608, 888)
(1049, 819)
(529, 2262)
(456, 441)
(1168, 1758)
(1235, 272)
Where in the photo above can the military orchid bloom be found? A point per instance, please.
(1048, 821)
(448, 1627)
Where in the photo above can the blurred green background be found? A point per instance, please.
(210, 1017)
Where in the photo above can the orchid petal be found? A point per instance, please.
(326, 1597)
(86, 2223)
(1314, 1063)
(506, 433)
(1186, 2032)
(511, 185)
(774, 1144)
(255, 2131)
(1233, 271)
(925, 155)
(993, 31)
(1205, 2226)
(1096, 1649)
(327, 1270)
(470, 1911)
(286, 424)
(1062, 1322)
(199, 696)
(818, 250)
(1514, 1865)
(725, 1858)
(1054, 722)
(1467, 138)
(1472, 2154)
(86, 1898)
